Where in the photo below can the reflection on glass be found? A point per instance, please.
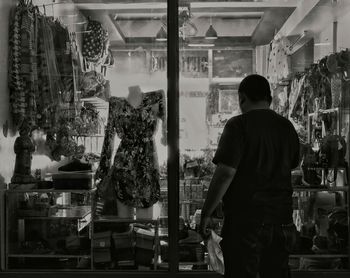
(48, 229)
(111, 66)
(220, 43)
(207, 100)
(130, 227)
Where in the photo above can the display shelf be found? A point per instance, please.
(24, 271)
(319, 256)
(114, 219)
(50, 217)
(184, 263)
(51, 190)
(59, 205)
(46, 256)
(318, 189)
(74, 213)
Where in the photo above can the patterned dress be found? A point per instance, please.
(135, 171)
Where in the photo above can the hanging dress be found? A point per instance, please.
(135, 171)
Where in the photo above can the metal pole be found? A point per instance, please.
(173, 133)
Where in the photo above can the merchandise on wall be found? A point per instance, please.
(316, 101)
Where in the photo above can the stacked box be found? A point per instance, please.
(102, 247)
(123, 245)
(144, 251)
(144, 239)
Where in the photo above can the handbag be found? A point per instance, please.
(311, 176)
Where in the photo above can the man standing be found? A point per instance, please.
(256, 153)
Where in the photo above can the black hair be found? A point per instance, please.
(256, 88)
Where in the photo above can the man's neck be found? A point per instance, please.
(259, 106)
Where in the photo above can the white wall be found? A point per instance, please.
(326, 37)
(343, 32)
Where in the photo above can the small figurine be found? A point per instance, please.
(23, 148)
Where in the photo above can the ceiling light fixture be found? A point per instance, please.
(211, 33)
(161, 35)
(201, 44)
(322, 44)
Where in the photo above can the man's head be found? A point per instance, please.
(254, 92)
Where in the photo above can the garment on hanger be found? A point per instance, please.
(279, 64)
(135, 174)
(296, 90)
(280, 100)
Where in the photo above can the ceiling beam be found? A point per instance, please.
(117, 28)
(302, 10)
(106, 5)
(198, 2)
(269, 23)
(221, 15)
(245, 4)
(195, 7)
(144, 41)
(162, 47)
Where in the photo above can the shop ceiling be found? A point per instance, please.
(238, 23)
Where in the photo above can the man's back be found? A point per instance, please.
(264, 148)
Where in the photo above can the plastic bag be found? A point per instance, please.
(216, 258)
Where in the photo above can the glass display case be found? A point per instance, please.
(320, 215)
(48, 229)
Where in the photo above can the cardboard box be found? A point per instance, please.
(144, 238)
(102, 255)
(124, 239)
(102, 240)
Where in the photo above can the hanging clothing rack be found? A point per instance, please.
(52, 4)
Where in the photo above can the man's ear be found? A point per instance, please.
(242, 99)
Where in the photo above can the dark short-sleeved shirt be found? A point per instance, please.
(263, 147)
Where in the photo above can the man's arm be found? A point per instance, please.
(219, 184)
(227, 158)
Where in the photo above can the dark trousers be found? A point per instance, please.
(257, 250)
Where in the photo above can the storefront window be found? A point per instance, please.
(100, 127)
(219, 46)
(85, 118)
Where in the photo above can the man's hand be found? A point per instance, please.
(219, 184)
(205, 225)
